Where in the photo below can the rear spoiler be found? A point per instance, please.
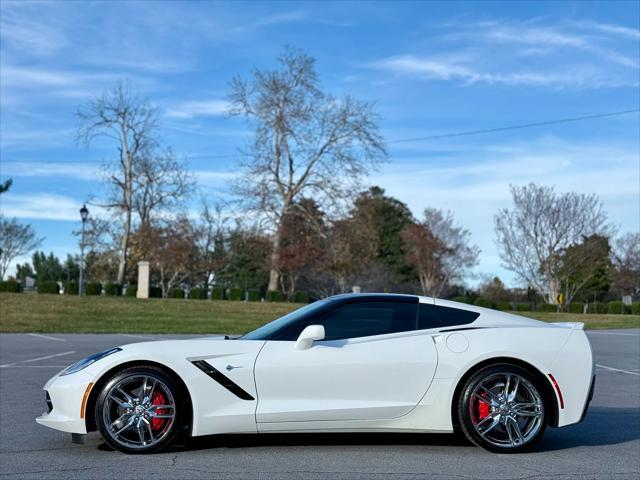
(571, 325)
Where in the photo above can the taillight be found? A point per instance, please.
(555, 384)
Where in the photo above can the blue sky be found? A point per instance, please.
(431, 68)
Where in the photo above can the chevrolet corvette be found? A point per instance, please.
(348, 363)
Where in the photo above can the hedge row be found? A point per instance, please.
(71, 288)
(614, 307)
(176, 293)
(10, 286)
(93, 289)
(48, 288)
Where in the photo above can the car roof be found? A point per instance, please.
(381, 296)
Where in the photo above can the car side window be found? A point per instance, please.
(363, 319)
(436, 316)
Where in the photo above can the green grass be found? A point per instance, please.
(593, 321)
(70, 314)
(26, 312)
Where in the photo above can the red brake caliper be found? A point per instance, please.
(482, 408)
(158, 399)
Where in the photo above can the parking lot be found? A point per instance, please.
(605, 445)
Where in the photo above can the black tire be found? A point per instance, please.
(107, 408)
(495, 423)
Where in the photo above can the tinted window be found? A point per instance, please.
(283, 323)
(435, 316)
(363, 319)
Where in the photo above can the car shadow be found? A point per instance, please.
(602, 426)
(319, 439)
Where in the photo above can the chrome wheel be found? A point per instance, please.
(138, 411)
(506, 410)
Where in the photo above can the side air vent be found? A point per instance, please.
(49, 402)
(222, 379)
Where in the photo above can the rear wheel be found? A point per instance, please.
(139, 410)
(502, 409)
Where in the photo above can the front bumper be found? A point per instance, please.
(64, 403)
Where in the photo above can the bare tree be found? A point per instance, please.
(159, 182)
(439, 250)
(211, 241)
(542, 223)
(306, 143)
(131, 122)
(101, 258)
(302, 247)
(626, 263)
(15, 240)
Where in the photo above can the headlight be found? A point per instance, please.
(85, 362)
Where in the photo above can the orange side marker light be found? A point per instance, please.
(84, 399)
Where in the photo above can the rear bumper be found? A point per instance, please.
(574, 370)
(589, 398)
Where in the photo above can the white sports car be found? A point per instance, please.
(365, 363)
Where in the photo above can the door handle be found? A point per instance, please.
(231, 367)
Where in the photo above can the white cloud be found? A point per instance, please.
(21, 136)
(44, 206)
(475, 191)
(525, 53)
(201, 108)
(78, 170)
(207, 177)
(279, 18)
(437, 68)
(21, 28)
(632, 33)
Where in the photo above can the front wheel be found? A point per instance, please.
(502, 409)
(139, 410)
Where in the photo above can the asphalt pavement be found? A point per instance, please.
(605, 445)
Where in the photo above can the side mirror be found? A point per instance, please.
(308, 336)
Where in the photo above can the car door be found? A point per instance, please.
(372, 364)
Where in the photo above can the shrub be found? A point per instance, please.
(10, 286)
(112, 289)
(300, 297)
(547, 307)
(462, 299)
(131, 291)
(217, 293)
(198, 294)
(484, 302)
(155, 292)
(254, 295)
(93, 288)
(576, 307)
(49, 287)
(503, 306)
(235, 294)
(597, 307)
(275, 296)
(635, 308)
(523, 307)
(616, 307)
(71, 288)
(176, 293)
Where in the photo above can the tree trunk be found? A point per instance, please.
(274, 274)
(554, 289)
(128, 206)
(124, 247)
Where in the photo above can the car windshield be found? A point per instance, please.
(265, 331)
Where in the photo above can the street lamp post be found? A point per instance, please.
(84, 214)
